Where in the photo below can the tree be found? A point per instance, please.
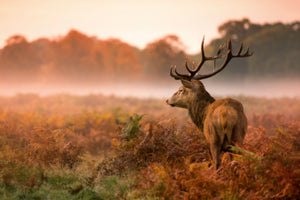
(159, 55)
(277, 50)
(73, 57)
(118, 60)
(18, 59)
(276, 47)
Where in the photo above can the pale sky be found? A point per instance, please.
(137, 22)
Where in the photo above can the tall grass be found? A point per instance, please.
(95, 147)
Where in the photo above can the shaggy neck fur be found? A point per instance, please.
(198, 107)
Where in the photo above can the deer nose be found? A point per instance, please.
(167, 101)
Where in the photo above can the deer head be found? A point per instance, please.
(186, 93)
(192, 86)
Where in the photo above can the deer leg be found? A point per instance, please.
(215, 153)
(215, 150)
(225, 147)
(216, 145)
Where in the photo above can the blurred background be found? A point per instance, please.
(126, 48)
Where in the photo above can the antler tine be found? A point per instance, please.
(221, 48)
(171, 73)
(187, 68)
(182, 75)
(240, 49)
(229, 44)
(177, 75)
(246, 53)
(191, 71)
(228, 56)
(203, 58)
(227, 59)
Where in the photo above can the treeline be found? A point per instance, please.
(77, 57)
(276, 49)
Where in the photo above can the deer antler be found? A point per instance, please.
(228, 56)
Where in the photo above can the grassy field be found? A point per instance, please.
(105, 147)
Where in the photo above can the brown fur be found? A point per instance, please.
(222, 121)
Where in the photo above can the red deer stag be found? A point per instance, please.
(222, 121)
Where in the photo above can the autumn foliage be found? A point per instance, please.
(175, 164)
(80, 59)
(95, 147)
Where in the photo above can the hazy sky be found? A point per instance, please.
(137, 22)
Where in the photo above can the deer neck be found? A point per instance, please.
(198, 108)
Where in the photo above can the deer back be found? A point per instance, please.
(225, 118)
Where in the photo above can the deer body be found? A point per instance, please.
(222, 121)
(224, 124)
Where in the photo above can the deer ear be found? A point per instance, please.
(197, 84)
(186, 83)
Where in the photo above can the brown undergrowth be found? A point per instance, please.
(175, 163)
(78, 148)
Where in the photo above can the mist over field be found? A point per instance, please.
(268, 89)
(81, 64)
